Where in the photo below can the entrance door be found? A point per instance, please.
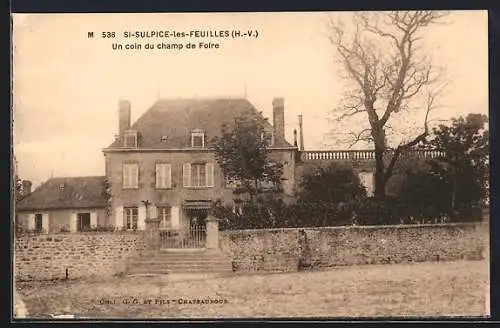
(196, 227)
(83, 221)
(190, 234)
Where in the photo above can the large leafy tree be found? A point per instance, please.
(329, 194)
(387, 75)
(457, 182)
(242, 151)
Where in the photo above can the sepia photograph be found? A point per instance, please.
(273, 165)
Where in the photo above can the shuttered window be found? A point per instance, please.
(198, 175)
(163, 176)
(131, 175)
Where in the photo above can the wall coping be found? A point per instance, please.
(87, 233)
(366, 227)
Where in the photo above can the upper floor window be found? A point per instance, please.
(131, 175)
(130, 138)
(198, 175)
(163, 176)
(197, 138)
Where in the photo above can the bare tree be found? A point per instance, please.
(388, 72)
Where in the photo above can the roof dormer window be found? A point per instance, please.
(197, 138)
(130, 139)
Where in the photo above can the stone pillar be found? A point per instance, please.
(212, 224)
(153, 232)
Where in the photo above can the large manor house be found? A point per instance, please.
(163, 166)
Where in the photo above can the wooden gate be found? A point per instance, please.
(189, 237)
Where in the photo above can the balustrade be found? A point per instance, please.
(360, 154)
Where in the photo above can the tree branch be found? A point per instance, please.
(357, 137)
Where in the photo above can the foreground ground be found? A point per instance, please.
(420, 289)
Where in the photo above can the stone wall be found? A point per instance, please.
(87, 254)
(296, 249)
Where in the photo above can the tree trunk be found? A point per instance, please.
(380, 180)
(453, 194)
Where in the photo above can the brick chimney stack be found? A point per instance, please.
(124, 110)
(26, 187)
(279, 120)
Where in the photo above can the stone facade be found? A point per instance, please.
(89, 254)
(175, 151)
(291, 249)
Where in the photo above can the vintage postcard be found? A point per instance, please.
(250, 165)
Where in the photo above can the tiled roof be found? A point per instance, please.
(66, 193)
(176, 118)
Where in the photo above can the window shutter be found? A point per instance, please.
(119, 217)
(159, 176)
(135, 175)
(31, 221)
(93, 219)
(141, 220)
(126, 176)
(186, 174)
(209, 174)
(45, 222)
(168, 176)
(73, 222)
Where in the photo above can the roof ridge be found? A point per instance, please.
(79, 177)
(215, 97)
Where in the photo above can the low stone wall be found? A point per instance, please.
(297, 249)
(88, 254)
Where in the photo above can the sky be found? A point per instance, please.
(66, 86)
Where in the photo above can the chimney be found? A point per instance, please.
(26, 187)
(301, 134)
(295, 137)
(279, 120)
(123, 116)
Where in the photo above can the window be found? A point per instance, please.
(198, 175)
(130, 139)
(164, 216)
(38, 222)
(83, 221)
(131, 175)
(367, 181)
(197, 139)
(131, 214)
(163, 176)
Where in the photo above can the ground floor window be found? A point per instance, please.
(164, 216)
(131, 214)
(38, 222)
(83, 221)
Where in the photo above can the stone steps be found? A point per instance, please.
(179, 261)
